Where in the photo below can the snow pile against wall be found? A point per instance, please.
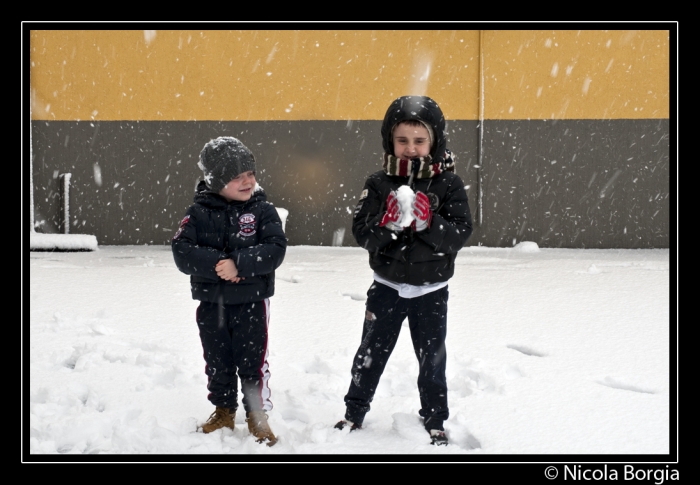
(526, 247)
(61, 242)
(283, 213)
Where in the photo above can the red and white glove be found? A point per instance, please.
(421, 212)
(393, 213)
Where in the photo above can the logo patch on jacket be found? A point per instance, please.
(247, 224)
(434, 201)
(182, 227)
(360, 202)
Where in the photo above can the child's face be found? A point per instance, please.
(411, 141)
(240, 188)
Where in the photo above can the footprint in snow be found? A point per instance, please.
(617, 384)
(525, 350)
(290, 279)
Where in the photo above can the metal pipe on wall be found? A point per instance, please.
(66, 199)
(31, 174)
(480, 158)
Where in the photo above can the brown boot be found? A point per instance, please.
(220, 418)
(258, 427)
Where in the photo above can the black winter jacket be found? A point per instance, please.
(427, 256)
(416, 258)
(250, 233)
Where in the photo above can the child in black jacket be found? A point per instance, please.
(412, 217)
(230, 243)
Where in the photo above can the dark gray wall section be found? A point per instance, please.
(148, 171)
(565, 184)
(576, 183)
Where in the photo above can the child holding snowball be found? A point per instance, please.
(412, 217)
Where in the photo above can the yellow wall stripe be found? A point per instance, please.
(576, 74)
(248, 75)
(253, 75)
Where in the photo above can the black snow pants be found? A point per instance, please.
(234, 340)
(427, 321)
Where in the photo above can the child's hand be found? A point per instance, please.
(392, 214)
(226, 269)
(421, 211)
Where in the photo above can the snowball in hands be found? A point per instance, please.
(405, 197)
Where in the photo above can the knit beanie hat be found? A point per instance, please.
(222, 159)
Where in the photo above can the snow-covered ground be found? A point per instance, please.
(550, 352)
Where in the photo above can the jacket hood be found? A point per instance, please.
(207, 197)
(420, 108)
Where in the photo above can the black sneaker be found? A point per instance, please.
(343, 423)
(438, 437)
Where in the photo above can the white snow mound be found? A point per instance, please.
(526, 247)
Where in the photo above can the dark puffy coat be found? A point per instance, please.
(413, 257)
(428, 256)
(250, 233)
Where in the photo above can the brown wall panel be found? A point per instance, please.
(132, 181)
(571, 183)
(577, 183)
(573, 150)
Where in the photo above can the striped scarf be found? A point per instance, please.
(425, 168)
